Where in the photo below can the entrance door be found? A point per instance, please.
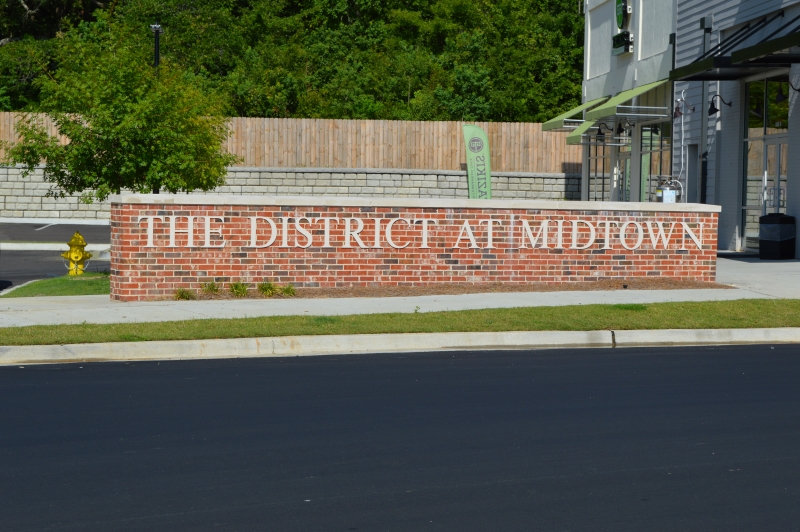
(624, 162)
(765, 185)
(693, 177)
(775, 185)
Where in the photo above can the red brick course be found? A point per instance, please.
(140, 272)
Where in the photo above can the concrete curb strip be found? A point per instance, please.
(296, 346)
(383, 343)
(64, 221)
(12, 288)
(47, 246)
(784, 335)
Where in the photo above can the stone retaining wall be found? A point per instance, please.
(25, 198)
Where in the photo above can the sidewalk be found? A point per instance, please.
(753, 279)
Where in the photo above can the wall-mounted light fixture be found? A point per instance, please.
(600, 134)
(712, 109)
(781, 97)
(678, 104)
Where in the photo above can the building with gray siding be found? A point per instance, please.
(723, 74)
(739, 55)
(625, 123)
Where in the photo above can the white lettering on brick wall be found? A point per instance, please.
(254, 237)
(400, 233)
(390, 238)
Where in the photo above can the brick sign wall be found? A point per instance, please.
(160, 243)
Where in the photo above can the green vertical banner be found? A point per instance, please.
(479, 170)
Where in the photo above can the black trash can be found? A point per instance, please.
(776, 237)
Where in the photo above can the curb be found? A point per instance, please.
(55, 221)
(47, 246)
(689, 337)
(384, 343)
(12, 288)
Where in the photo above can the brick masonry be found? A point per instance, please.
(420, 242)
(26, 197)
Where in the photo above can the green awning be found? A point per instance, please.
(557, 123)
(610, 107)
(576, 136)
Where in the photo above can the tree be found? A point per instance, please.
(496, 60)
(128, 125)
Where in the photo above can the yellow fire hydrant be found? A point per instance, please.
(77, 254)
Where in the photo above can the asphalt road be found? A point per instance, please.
(20, 232)
(659, 439)
(18, 267)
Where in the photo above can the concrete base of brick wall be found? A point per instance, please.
(26, 197)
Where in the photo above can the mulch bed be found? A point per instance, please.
(456, 288)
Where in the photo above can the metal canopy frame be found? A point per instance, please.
(565, 121)
(783, 50)
(769, 54)
(594, 140)
(575, 137)
(583, 136)
(721, 68)
(614, 110)
(633, 114)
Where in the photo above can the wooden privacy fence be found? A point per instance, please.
(287, 142)
(8, 123)
(326, 143)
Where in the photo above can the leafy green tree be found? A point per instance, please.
(497, 60)
(42, 18)
(27, 28)
(5, 100)
(128, 125)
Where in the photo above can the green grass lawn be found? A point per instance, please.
(88, 284)
(703, 315)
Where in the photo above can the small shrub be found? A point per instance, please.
(267, 289)
(288, 291)
(184, 294)
(210, 287)
(238, 289)
(635, 307)
(324, 320)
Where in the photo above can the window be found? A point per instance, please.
(656, 158)
(767, 107)
(599, 172)
(766, 153)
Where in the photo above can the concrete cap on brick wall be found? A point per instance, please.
(427, 203)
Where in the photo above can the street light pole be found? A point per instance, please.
(157, 31)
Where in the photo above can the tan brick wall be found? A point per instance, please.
(142, 272)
